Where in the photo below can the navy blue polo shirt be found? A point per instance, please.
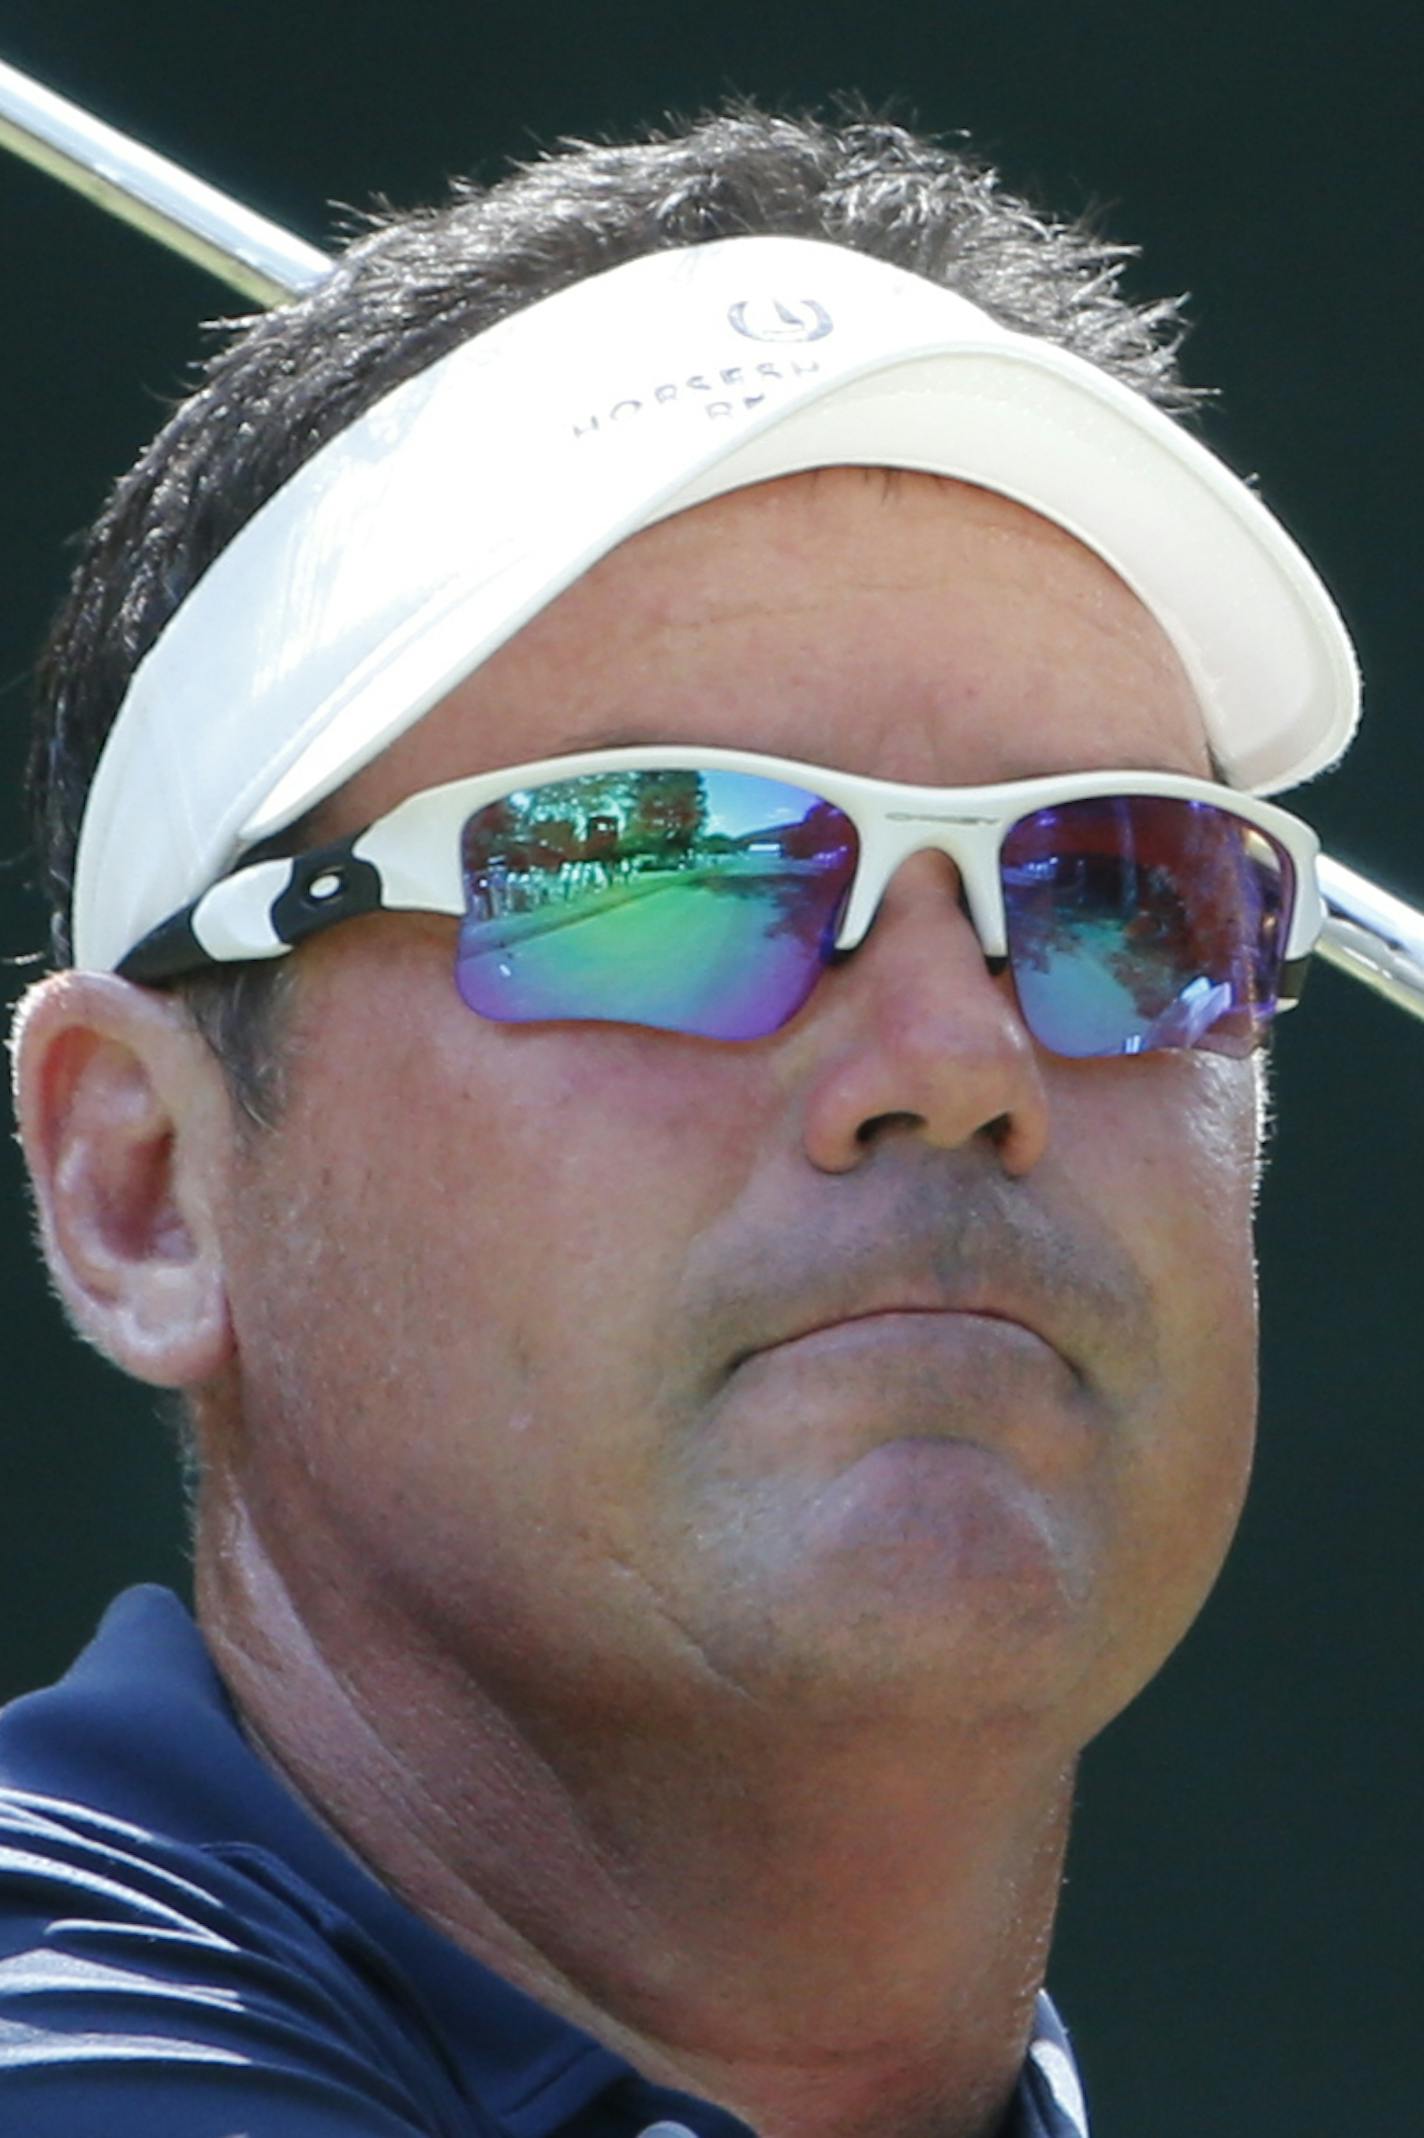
(186, 1953)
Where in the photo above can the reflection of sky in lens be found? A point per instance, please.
(738, 803)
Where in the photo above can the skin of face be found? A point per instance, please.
(884, 1373)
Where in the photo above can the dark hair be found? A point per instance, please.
(414, 286)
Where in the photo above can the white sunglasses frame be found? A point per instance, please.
(409, 860)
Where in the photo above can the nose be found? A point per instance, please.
(912, 1033)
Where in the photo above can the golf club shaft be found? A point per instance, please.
(1373, 936)
(265, 263)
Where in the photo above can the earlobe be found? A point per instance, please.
(125, 1128)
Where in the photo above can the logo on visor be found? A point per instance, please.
(773, 319)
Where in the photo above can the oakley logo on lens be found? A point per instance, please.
(774, 319)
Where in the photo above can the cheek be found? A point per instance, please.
(601, 1156)
(1177, 1177)
(507, 1239)
(1198, 1199)
(1172, 1160)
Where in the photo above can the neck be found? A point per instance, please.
(831, 1931)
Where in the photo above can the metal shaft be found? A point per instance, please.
(260, 259)
(1373, 936)
(1369, 934)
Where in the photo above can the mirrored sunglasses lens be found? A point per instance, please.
(1137, 923)
(703, 902)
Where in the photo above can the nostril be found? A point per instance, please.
(870, 1131)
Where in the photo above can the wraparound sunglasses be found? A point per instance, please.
(705, 891)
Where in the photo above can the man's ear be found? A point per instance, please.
(127, 1132)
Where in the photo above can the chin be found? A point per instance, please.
(930, 1581)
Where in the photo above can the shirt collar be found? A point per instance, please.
(1050, 2098)
(146, 1685)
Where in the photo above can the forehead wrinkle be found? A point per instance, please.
(1061, 579)
(604, 651)
(1098, 615)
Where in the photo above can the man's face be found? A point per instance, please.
(887, 1366)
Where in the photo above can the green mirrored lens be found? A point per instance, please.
(696, 901)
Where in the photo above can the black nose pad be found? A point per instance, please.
(995, 963)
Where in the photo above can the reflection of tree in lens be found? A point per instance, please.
(1156, 953)
(822, 833)
(600, 841)
(551, 846)
(669, 815)
(1049, 903)
(1214, 916)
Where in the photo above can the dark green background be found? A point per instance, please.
(1240, 1950)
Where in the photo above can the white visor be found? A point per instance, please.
(423, 536)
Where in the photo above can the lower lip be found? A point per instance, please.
(906, 1387)
(877, 1358)
(930, 1377)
